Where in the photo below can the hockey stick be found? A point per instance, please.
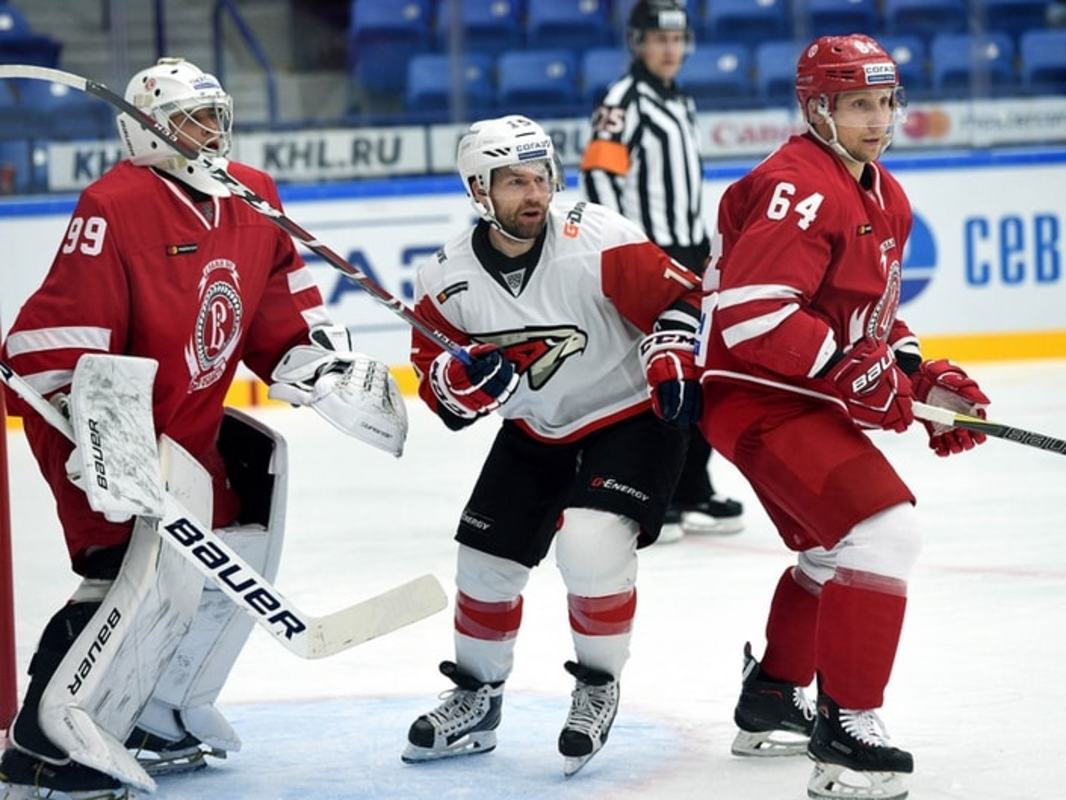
(217, 171)
(945, 416)
(300, 633)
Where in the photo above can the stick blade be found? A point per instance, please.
(381, 614)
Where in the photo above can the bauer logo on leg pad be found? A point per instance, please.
(95, 650)
(234, 575)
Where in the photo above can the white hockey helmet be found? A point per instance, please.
(174, 86)
(508, 141)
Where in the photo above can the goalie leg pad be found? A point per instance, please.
(88, 706)
(182, 703)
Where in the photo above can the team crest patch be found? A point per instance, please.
(181, 249)
(218, 324)
(538, 352)
(450, 291)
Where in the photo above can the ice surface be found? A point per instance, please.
(978, 693)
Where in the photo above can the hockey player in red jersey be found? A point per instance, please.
(160, 262)
(557, 307)
(803, 352)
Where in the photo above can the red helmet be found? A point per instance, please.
(834, 64)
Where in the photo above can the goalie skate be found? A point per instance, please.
(592, 711)
(23, 777)
(853, 757)
(775, 717)
(464, 724)
(160, 757)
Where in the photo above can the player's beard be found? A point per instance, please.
(515, 225)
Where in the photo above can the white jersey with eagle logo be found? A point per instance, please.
(569, 315)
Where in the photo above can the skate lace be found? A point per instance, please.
(801, 701)
(460, 706)
(865, 726)
(591, 707)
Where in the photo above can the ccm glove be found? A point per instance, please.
(876, 392)
(941, 383)
(672, 376)
(473, 390)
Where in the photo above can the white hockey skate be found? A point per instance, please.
(853, 759)
(464, 724)
(594, 703)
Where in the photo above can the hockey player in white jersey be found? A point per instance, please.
(559, 307)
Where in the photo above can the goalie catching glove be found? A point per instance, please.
(672, 376)
(473, 390)
(941, 383)
(352, 391)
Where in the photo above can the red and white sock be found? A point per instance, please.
(601, 628)
(485, 635)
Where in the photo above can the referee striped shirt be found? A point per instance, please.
(643, 159)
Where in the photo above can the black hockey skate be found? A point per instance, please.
(716, 514)
(775, 717)
(160, 756)
(852, 756)
(594, 703)
(464, 724)
(25, 777)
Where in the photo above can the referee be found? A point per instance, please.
(643, 160)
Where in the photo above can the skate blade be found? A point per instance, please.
(768, 744)
(835, 782)
(21, 792)
(471, 745)
(573, 764)
(702, 525)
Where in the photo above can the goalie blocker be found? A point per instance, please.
(155, 638)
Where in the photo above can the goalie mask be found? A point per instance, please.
(832, 66)
(177, 94)
(511, 141)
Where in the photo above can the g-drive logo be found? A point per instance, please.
(884, 72)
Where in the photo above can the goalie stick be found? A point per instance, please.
(945, 416)
(210, 165)
(300, 633)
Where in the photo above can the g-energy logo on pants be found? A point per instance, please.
(610, 484)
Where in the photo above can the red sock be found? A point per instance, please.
(859, 622)
(790, 630)
(489, 621)
(603, 616)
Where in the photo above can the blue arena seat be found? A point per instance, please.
(600, 67)
(925, 18)
(489, 26)
(383, 38)
(911, 56)
(775, 71)
(20, 45)
(568, 24)
(536, 82)
(744, 21)
(429, 83)
(1043, 61)
(1014, 16)
(718, 74)
(963, 63)
(838, 17)
(64, 113)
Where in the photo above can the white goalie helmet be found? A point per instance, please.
(508, 141)
(171, 87)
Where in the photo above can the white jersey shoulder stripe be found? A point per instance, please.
(41, 339)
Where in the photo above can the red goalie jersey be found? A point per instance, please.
(197, 286)
(818, 268)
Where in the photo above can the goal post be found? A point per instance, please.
(8, 681)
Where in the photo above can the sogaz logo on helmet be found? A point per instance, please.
(919, 260)
(526, 151)
(884, 72)
(203, 82)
